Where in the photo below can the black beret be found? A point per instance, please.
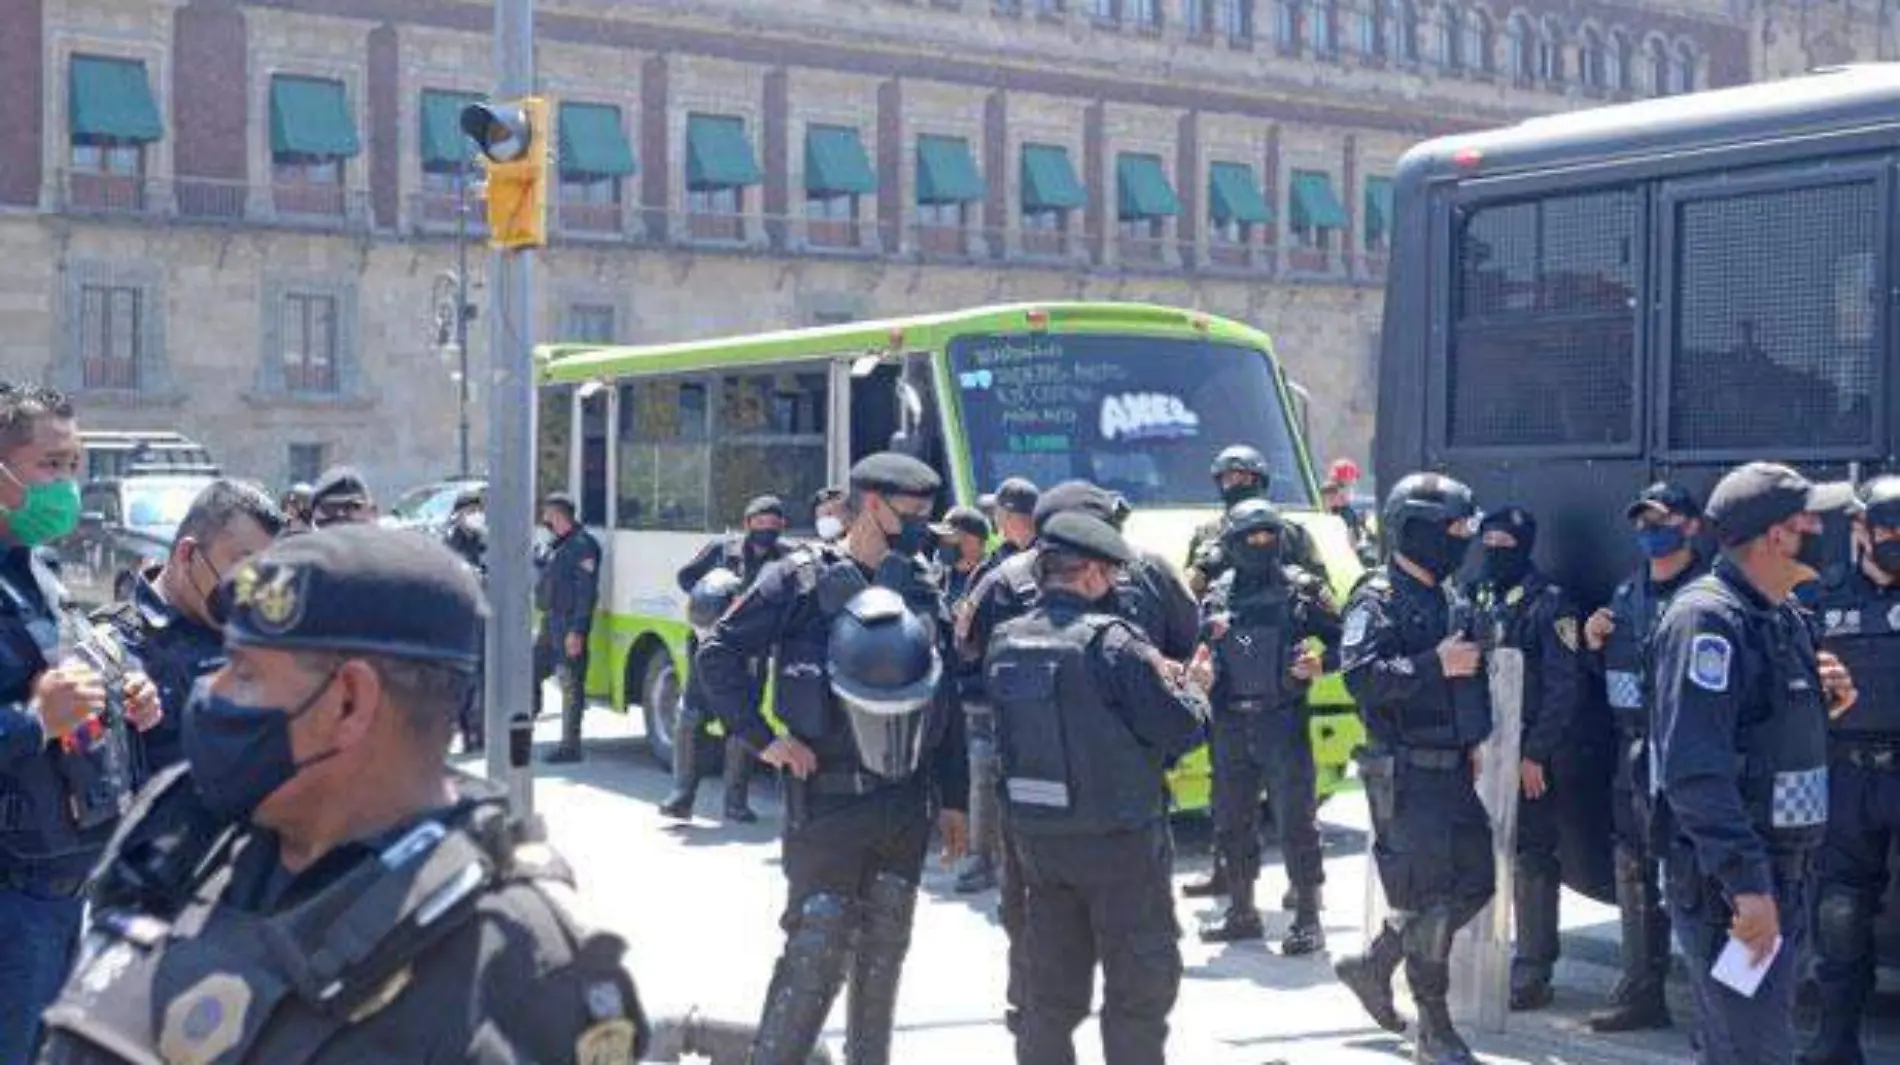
(1085, 534)
(963, 520)
(340, 484)
(1082, 496)
(1017, 495)
(332, 591)
(895, 474)
(1749, 499)
(765, 505)
(1665, 498)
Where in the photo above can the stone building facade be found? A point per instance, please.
(255, 253)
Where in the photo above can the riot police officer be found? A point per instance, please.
(1260, 615)
(1240, 473)
(1412, 664)
(1523, 609)
(1089, 716)
(1667, 520)
(742, 555)
(1740, 732)
(1862, 617)
(962, 537)
(314, 885)
(565, 591)
(871, 730)
(168, 625)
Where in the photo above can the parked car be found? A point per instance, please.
(427, 507)
(140, 486)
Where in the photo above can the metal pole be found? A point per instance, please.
(511, 454)
(461, 319)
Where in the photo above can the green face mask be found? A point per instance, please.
(49, 511)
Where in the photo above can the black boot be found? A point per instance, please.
(678, 803)
(871, 1008)
(1240, 921)
(1307, 936)
(1428, 969)
(1536, 900)
(1369, 978)
(1290, 899)
(1438, 1042)
(1215, 884)
(1639, 1003)
(806, 981)
(738, 783)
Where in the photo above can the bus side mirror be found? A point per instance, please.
(1302, 410)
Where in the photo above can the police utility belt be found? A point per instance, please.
(1877, 757)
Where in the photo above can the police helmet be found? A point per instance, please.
(711, 597)
(884, 670)
(1427, 497)
(1881, 498)
(1245, 519)
(1239, 459)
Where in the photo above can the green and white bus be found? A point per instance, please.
(662, 445)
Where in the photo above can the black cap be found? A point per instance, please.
(339, 484)
(328, 591)
(1511, 519)
(1663, 498)
(895, 474)
(1751, 498)
(1085, 534)
(1090, 499)
(831, 493)
(963, 520)
(1017, 495)
(765, 505)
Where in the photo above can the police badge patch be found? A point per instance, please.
(206, 1021)
(606, 1043)
(1567, 633)
(1356, 623)
(1709, 658)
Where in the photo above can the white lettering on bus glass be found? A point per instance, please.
(1147, 416)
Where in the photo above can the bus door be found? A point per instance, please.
(596, 410)
(894, 408)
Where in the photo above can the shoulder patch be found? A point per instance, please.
(1710, 656)
(1356, 623)
(606, 1043)
(1567, 632)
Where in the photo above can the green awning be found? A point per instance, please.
(593, 142)
(835, 163)
(112, 99)
(1378, 205)
(718, 155)
(311, 116)
(1142, 189)
(946, 171)
(1234, 196)
(1049, 181)
(1314, 204)
(443, 142)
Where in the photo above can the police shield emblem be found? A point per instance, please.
(277, 604)
(206, 1021)
(1709, 658)
(606, 1043)
(1567, 633)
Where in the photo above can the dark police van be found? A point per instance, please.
(1582, 304)
(138, 486)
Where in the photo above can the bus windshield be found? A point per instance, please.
(1143, 416)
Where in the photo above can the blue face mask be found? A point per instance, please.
(241, 754)
(1661, 541)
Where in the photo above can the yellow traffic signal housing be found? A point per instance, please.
(517, 154)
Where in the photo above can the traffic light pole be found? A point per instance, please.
(511, 452)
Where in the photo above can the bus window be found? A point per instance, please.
(554, 432)
(1142, 416)
(770, 440)
(664, 454)
(1543, 338)
(593, 495)
(1775, 344)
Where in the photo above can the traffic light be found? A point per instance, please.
(513, 138)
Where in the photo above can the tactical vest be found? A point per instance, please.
(1783, 736)
(1637, 610)
(1863, 630)
(1069, 765)
(1252, 657)
(1464, 718)
(221, 986)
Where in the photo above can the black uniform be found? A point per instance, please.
(854, 841)
(59, 802)
(1862, 621)
(1262, 734)
(467, 536)
(1087, 726)
(1206, 559)
(1536, 617)
(174, 649)
(565, 593)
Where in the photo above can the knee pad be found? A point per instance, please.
(1844, 924)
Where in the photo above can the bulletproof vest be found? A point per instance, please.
(219, 986)
(1863, 630)
(1463, 717)
(1069, 764)
(1637, 610)
(1252, 656)
(1512, 620)
(1136, 601)
(1783, 735)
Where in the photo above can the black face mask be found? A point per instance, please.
(1506, 567)
(759, 541)
(1433, 548)
(1239, 493)
(1886, 555)
(912, 535)
(239, 753)
(1255, 561)
(1816, 551)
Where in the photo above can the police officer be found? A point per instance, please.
(1523, 609)
(565, 592)
(742, 555)
(1862, 615)
(962, 537)
(169, 623)
(65, 753)
(1412, 664)
(296, 507)
(1668, 521)
(1335, 496)
(1740, 731)
(313, 885)
(1012, 510)
(341, 496)
(467, 532)
(1240, 472)
(1260, 615)
(1089, 715)
(827, 513)
(871, 730)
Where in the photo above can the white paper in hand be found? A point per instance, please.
(1734, 969)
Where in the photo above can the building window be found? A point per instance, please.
(1377, 223)
(717, 213)
(1519, 45)
(719, 168)
(1372, 27)
(941, 228)
(1144, 14)
(590, 202)
(831, 219)
(310, 343)
(448, 162)
(947, 183)
(305, 463)
(112, 115)
(1050, 190)
(589, 323)
(312, 133)
(1685, 67)
(1321, 19)
(1407, 44)
(1590, 59)
(1446, 39)
(1549, 54)
(1105, 10)
(1617, 68)
(595, 157)
(1477, 42)
(110, 336)
(1315, 215)
(1236, 20)
(1292, 20)
(1660, 78)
